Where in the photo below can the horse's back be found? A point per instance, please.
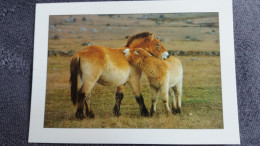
(107, 64)
(117, 69)
(101, 55)
(173, 61)
(95, 54)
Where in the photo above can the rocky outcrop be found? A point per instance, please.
(61, 53)
(194, 53)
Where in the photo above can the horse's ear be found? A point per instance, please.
(152, 37)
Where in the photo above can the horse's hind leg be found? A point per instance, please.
(174, 101)
(81, 97)
(87, 87)
(89, 111)
(165, 98)
(178, 93)
(119, 98)
(84, 97)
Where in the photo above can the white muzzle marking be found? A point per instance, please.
(165, 55)
(126, 52)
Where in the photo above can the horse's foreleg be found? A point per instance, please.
(139, 98)
(143, 109)
(135, 83)
(154, 99)
(119, 98)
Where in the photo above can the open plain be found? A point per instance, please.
(201, 101)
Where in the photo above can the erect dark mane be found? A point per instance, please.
(137, 36)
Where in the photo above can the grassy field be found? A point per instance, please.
(202, 101)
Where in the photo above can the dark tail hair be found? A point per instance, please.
(74, 70)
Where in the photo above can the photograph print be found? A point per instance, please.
(146, 70)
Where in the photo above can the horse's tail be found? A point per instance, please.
(74, 72)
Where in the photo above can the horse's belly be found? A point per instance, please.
(114, 77)
(174, 79)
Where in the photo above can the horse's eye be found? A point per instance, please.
(157, 46)
(136, 52)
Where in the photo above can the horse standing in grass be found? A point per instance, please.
(108, 66)
(162, 75)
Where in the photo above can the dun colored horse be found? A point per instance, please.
(108, 66)
(162, 75)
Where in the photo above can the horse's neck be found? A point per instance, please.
(149, 66)
(123, 48)
(139, 43)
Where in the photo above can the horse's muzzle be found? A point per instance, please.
(126, 51)
(165, 55)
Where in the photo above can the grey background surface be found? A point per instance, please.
(16, 58)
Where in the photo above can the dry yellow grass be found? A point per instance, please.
(202, 101)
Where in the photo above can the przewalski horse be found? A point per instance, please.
(108, 66)
(162, 75)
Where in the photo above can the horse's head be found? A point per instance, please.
(150, 43)
(136, 55)
(155, 47)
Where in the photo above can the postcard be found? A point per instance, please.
(143, 72)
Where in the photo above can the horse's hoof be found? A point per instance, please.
(145, 113)
(151, 113)
(90, 114)
(117, 114)
(116, 111)
(176, 111)
(179, 111)
(79, 116)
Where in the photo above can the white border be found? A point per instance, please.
(228, 135)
